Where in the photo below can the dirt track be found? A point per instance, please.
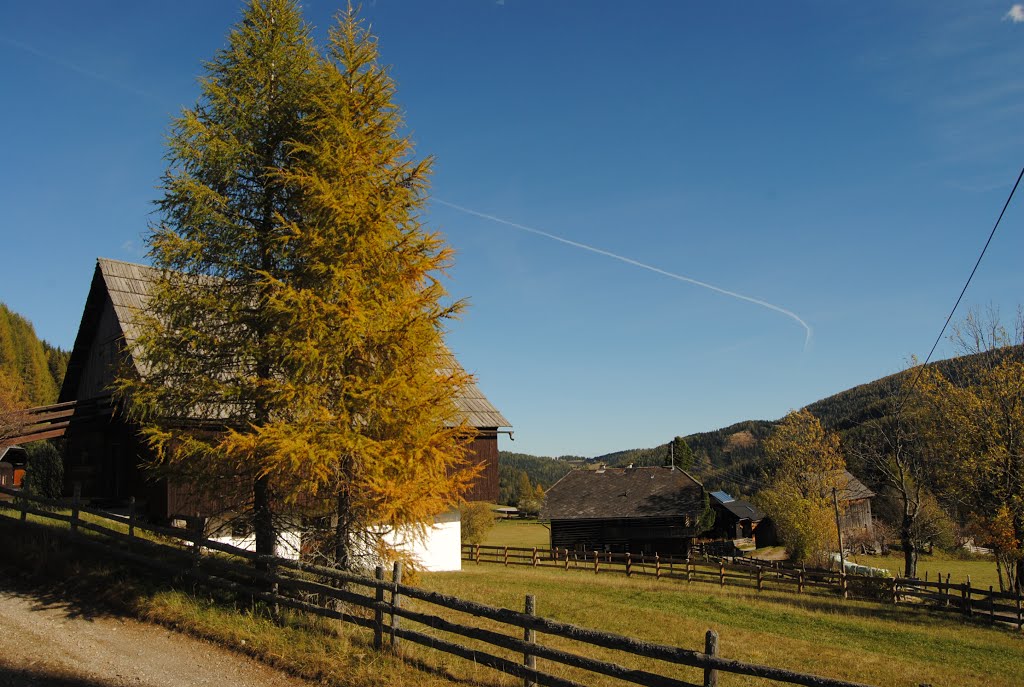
(47, 643)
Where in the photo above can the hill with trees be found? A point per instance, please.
(731, 458)
(31, 369)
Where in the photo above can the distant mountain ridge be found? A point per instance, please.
(729, 458)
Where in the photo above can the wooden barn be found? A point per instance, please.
(104, 453)
(635, 510)
(855, 502)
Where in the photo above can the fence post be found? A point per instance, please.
(22, 500)
(991, 606)
(800, 581)
(895, 592)
(966, 593)
(657, 567)
(597, 565)
(760, 584)
(711, 649)
(534, 559)
(721, 571)
(530, 635)
(688, 568)
(198, 536)
(396, 602)
(629, 565)
(476, 554)
(1020, 618)
(566, 558)
(131, 516)
(844, 585)
(506, 556)
(378, 609)
(75, 502)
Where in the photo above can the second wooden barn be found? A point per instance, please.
(635, 510)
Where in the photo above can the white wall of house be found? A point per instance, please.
(288, 543)
(439, 549)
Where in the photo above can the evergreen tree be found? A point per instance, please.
(371, 388)
(678, 453)
(205, 342)
(299, 312)
(24, 358)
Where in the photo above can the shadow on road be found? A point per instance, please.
(43, 677)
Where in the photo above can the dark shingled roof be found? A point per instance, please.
(647, 492)
(744, 510)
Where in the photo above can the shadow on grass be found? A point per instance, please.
(54, 572)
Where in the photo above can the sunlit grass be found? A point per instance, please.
(873, 643)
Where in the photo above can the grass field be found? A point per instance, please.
(528, 533)
(872, 643)
(981, 570)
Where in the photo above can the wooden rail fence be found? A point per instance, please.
(964, 598)
(380, 605)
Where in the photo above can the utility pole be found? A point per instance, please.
(839, 531)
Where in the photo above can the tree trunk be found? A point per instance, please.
(343, 531)
(909, 549)
(263, 519)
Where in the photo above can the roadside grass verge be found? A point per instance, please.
(39, 561)
(860, 641)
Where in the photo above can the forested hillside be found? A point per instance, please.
(30, 369)
(729, 458)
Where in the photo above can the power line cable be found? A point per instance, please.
(966, 284)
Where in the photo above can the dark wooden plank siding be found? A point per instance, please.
(104, 353)
(635, 535)
(484, 451)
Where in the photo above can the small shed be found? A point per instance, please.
(635, 510)
(12, 466)
(740, 519)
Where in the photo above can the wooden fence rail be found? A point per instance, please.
(187, 554)
(984, 604)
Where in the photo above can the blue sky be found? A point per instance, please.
(843, 161)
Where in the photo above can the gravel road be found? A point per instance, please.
(47, 643)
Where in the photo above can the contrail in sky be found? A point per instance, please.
(77, 69)
(629, 261)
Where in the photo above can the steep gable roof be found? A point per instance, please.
(645, 492)
(127, 285)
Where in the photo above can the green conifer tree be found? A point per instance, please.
(205, 344)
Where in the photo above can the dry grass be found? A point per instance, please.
(526, 533)
(860, 641)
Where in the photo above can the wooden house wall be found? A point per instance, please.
(104, 353)
(104, 456)
(484, 451)
(857, 518)
(634, 535)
